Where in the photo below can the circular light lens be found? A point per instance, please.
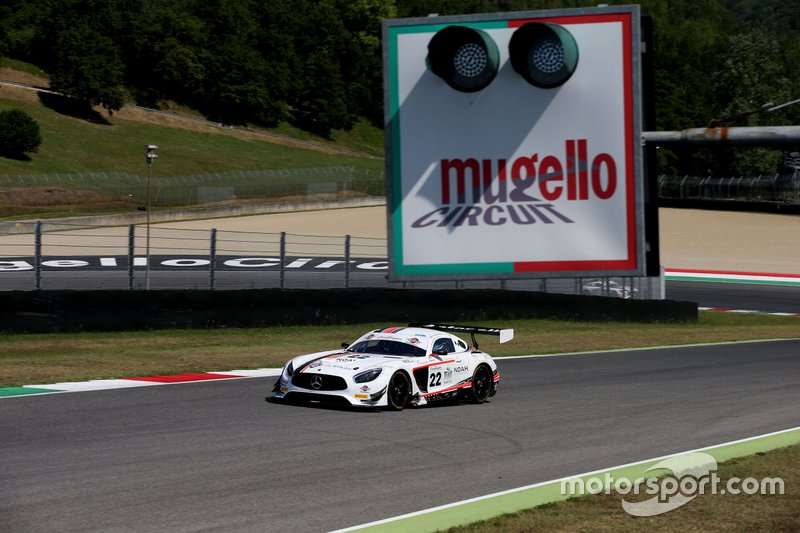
(547, 57)
(470, 60)
(545, 54)
(466, 58)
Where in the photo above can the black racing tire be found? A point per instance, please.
(482, 382)
(398, 391)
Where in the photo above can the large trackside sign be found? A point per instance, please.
(513, 145)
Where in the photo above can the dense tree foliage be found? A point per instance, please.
(317, 63)
(19, 133)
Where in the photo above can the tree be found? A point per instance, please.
(161, 46)
(77, 47)
(19, 133)
(87, 68)
(750, 75)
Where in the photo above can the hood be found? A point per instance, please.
(346, 363)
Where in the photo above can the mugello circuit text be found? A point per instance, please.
(526, 197)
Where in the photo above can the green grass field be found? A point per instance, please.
(63, 178)
(71, 144)
(85, 140)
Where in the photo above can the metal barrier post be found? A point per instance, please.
(213, 260)
(37, 255)
(283, 260)
(131, 255)
(347, 261)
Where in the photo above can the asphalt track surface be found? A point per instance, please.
(758, 297)
(215, 456)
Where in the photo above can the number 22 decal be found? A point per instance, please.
(436, 379)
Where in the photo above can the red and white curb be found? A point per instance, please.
(124, 383)
(681, 274)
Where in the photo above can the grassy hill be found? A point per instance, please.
(90, 141)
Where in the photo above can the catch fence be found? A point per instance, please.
(83, 257)
(108, 191)
(782, 188)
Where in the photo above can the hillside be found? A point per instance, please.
(92, 141)
(318, 65)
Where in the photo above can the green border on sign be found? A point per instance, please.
(396, 174)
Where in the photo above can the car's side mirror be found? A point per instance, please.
(345, 345)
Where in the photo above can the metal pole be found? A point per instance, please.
(347, 261)
(283, 259)
(147, 239)
(37, 255)
(754, 136)
(150, 156)
(131, 254)
(213, 258)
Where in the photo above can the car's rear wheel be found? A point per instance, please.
(481, 384)
(398, 391)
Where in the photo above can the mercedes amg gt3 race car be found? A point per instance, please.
(394, 368)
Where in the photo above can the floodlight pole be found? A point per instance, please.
(149, 157)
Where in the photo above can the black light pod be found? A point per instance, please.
(544, 54)
(466, 58)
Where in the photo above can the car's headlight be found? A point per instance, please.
(289, 370)
(369, 375)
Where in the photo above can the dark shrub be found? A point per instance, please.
(19, 133)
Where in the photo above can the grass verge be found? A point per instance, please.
(707, 512)
(27, 359)
(72, 144)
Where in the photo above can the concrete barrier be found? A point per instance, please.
(61, 311)
(235, 210)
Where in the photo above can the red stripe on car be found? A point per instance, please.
(464, 386)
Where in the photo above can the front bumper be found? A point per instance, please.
(339, 393)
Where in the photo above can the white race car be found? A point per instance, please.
(396, 367)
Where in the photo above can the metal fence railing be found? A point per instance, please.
(83, 257)
(784, 188)
(104, 190)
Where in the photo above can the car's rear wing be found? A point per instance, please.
(504, 334)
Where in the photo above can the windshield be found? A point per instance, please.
(384, 347)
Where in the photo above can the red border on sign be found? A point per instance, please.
(630, 176)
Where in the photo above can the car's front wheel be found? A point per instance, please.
(398, 391)
(481, 384)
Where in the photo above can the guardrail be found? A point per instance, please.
(85, 257)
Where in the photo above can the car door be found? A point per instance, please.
(448, 367)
